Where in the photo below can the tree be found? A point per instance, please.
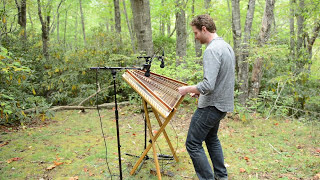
(22, 16)
(129, 27)
(142, 25)
(117, 19)
(197, 44)
(242, 49)
(181, 30)
(265, 31)
(45, 28)
(82, 23)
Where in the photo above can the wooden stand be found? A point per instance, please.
(154, 138)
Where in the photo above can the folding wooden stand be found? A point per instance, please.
(154, 139)
(161, 93)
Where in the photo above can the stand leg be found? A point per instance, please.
(165, 123)
(155, 156)
(166, 136)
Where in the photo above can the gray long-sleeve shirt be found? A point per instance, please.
(217, 87)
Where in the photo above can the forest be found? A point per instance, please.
(48, 49)
(48, 46)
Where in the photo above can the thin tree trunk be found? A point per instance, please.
(22, 16)
(65, 29)
(5, 20)
(169, 26)
(111, 18)
(45, 27)
(257, 71)
(30, 18)
(162, 21)
(292, 33)
(207, 4)
(129, 28)
(236, 31)
(181, 32)
(58, 28)
(315, 34)
(142, 25)
(197, 44)
(76, 29)
(82, 22)
(58, 21)
(117, 20)
(244, 64)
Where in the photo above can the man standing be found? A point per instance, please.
(216, 98)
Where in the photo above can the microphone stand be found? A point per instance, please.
(114, 73)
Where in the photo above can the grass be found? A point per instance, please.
(72, 143)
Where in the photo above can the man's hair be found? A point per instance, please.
(204, 20)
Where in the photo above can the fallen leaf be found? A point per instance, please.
(276, 124)
(3, 144)
(13, 159)
(51, 167)
(85, 169)
(242, 170)
(57, 163)
(246, 158)
(74, 178)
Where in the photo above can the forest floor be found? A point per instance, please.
(71, 146)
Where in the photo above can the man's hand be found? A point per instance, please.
(183, 90)
(194, 95)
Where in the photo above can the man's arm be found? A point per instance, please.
(189, 89)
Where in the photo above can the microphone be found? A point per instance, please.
(162, 63)
(161, 59)
(146, 67)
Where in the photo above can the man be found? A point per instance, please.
(215, 93)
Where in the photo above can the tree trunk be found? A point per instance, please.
(300, 24)
(22, 16)
(236, 32)
(76, 29)
(181, 32)
(129, 27)
(58, 28)
(142, 25)
(207, 4)
(257, 71)
(197, 44)
(45, 27)
(292, 33)
(169, 26)
(65, 29)
(82, 22)
(315, 33)
(30, 19)
(243, 63)
(117, 20)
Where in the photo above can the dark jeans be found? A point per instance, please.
(204, 127)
